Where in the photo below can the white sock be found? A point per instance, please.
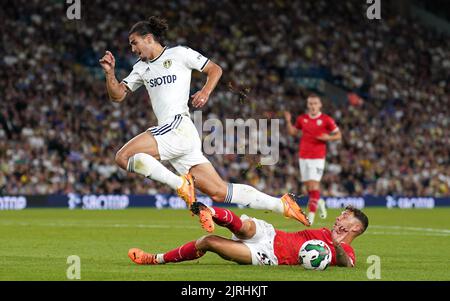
(160, 258)
(248, 196)
(311, 216)
(322, 208)
(149, 167)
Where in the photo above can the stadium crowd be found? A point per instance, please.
(59, 132)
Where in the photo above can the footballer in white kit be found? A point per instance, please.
(167, 79)
(166, 74)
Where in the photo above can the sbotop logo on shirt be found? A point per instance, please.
(162, 80)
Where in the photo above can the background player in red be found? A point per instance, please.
(257, 242)
(317, 128)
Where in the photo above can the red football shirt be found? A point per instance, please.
(310, 147)
(287, 245)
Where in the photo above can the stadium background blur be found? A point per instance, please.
(59, 132)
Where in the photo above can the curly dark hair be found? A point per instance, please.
(154, 25)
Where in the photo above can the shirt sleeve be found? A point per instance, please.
(350, 252)
(194, 59)
(133, 81)
(298, 123)
(331, 125)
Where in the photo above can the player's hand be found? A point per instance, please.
(338, 234)
(108, 62)
(287, 116)
(323, 137)
(199, 99)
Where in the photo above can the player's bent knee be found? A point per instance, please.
(202, 242)
(199, 243)
(121, 158)
(208, 242)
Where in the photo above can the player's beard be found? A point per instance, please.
(339, 229)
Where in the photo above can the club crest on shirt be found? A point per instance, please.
(167, 64)
(319, 122)
(305, 120)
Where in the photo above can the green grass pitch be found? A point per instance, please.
(412, 244)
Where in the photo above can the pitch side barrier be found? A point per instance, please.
(160, 201)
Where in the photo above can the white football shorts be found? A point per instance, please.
(311, 169)
(179, 143)
(261, 244)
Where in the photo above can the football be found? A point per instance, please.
(314, 255)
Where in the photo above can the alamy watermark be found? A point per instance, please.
(73, 12)
(232, 137)
(73, 272)
(374, 10)
(374, 270)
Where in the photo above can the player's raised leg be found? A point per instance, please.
(140, 155)
(222, 217)
(209, 182)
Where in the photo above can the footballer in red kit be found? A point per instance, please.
(316, 130)
(287, 245)
(257, 242)
(310, 146)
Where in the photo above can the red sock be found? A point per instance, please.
(185, 252)
(226, 218)
(314, 196)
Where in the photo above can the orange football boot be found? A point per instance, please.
(187, 190)
(140, 257)
(205, 215)
(293, 210)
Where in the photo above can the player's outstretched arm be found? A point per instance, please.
(213, 73)
(293, 131)
(342, 259)
(116, 91)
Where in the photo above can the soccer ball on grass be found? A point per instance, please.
(314, 255)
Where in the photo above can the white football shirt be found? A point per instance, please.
(167, 79)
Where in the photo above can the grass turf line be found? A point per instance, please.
(35, 243)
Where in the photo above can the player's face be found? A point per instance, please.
(314, 105)
(140, 45)
(346, 222)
